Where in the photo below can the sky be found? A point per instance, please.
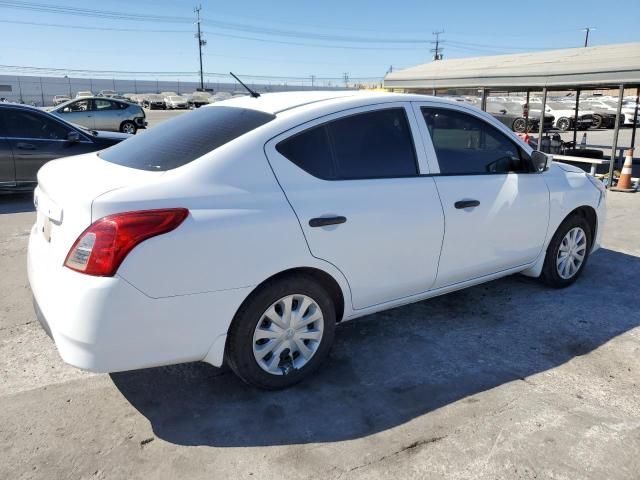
(293, 39)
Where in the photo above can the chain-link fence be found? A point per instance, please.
(39, 91)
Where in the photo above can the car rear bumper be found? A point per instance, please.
(105, 324)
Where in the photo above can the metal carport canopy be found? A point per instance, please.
(606, 65)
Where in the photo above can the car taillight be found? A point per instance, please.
(102, 247)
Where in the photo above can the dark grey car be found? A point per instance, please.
(103, 114)
(30, 137)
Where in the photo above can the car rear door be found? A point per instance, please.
(107, 115)
(354, 181)
(36, 138)
(496, 207)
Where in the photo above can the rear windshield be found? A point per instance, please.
(181, 140)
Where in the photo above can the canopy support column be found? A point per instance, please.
(575, 118)
(483, 100)
(616, 130)
(544, 105)
(526, 113)
(635, 119)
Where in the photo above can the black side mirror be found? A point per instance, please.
(540, 161)
(503, 111)
(73, 136)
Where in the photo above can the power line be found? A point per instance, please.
(109, 73)
(269, 31)
(217, 34)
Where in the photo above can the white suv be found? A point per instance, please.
(246, 230)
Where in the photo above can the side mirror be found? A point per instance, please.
(541, 161)
(503, 111)
(73, 136)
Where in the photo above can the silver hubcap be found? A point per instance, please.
(288, 334)
(571, 253)
(128, 128)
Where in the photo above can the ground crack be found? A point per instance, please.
(406, 449)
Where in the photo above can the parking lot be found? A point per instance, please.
(504, 380)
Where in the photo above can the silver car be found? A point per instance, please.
(103, 114)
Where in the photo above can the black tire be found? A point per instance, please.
(239, 349)
(597, 121)
(550, 274)
(563, 124)
(519, 125)
(128, 127)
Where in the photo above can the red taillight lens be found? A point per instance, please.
(102, 247)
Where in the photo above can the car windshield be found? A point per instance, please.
(181, 140)
(177, 99)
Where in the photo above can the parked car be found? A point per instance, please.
(154, 101)
(103, 114)
(244, 231)
(176, 101)
(169, 94)
(58, 99)
(30, 137)
(198, 99)
(107, 93)
(511, 115)
(565, 116)
(84, 94)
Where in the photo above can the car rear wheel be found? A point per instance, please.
(563, 124)
(282, 333)
(128, 127)
(567, 252)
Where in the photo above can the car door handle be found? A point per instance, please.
(25, 146)
(325, 221)
(466, 203)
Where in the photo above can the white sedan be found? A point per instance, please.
(243, 232)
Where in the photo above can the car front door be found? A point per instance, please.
(36, 138)
(496, 206)
(354, 181)
(78, 112)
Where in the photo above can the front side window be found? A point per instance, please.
(465, 144)
(375, 144)
(25, 124)
(78, 106)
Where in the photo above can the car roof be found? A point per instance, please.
(275, 103)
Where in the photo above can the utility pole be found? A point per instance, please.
(201, 43)
(586, 36)
(437, 50)
(345, 77)
(313, 81)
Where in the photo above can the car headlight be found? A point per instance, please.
(599, 185)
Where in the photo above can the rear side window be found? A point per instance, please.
(374, 144)
(181, 140)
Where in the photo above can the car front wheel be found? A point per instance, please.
(282, 332)
(567, 252)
